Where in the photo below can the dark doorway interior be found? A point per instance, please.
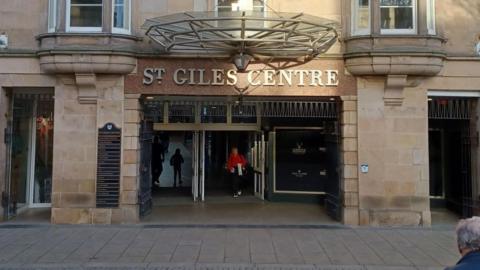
(167, 153)
(218, 145)
(451, 140)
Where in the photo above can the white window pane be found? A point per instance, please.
(229, 5)
(86, 16)
(361, 17)
(363, 14)
(121, 15)
(52, 15)
(396, 17)
(396, 3)
(86, 2)
(431, 17)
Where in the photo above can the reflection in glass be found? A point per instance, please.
(121, 14)
(21, 140)
(397, 14)
(362, 17)
(43, 152)
(86, 13)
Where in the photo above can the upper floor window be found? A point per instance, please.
(121, 16)
(84, 15)
(361, 17)
(398, 16)
(52, 15)
(431, 17)
(240, 5)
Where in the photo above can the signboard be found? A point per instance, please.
(301, 161)
(319, 77)
(108, 166)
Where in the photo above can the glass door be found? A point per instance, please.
(198, 166)
(258, 163)
(195, 164)
(29, 182)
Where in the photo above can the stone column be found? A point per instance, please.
(129, 212)
(349, 159)
(74, 159)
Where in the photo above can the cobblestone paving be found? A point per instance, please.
(178, 248)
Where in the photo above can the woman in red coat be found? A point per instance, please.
(236, 167)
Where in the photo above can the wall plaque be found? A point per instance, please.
(108, 166)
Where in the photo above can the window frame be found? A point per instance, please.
(431, 17)
(52, 17)
(264, 6)
(69, 28)
(125, 30)
(399, 31)
(355, 31)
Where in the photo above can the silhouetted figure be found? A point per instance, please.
(176, 161)
(157, 161)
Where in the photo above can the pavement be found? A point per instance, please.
(224, 247)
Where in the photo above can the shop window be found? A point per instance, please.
(240, 5)
(361, 17)
(431, 17)
(84, 15)
(52, 15)
(398, 16)
(121, 16)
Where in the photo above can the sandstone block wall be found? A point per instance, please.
(393, 141)
(75, 153)
(349, 161)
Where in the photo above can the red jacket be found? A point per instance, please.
(233, 160)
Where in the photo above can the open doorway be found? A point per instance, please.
(452, 147)
(171, 167)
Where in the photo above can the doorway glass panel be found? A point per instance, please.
(21, 144)
(30, 179)
(42, 184)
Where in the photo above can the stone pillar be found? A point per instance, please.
(393, 141)
(349, 159)
(74, 159)
(75, 152)
(131, 160)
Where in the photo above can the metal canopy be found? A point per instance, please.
(258, 34)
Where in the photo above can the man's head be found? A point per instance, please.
(177, 151)
(468, 235)
(234, 150)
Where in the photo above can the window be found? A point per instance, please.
(52, 15)
(121, 16)
(398, 16)
(84, 15)
(238, 5)
(431, 17)
(361, 17)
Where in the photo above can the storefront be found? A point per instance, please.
(365, 109)
(287, 123)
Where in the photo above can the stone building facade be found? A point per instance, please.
(396, 61)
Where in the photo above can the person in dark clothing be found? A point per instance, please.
(468, 241)
(157, 161)
(176, 161)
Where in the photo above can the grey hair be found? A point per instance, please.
(468, 233)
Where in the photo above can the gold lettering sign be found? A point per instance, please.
(222, 77)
